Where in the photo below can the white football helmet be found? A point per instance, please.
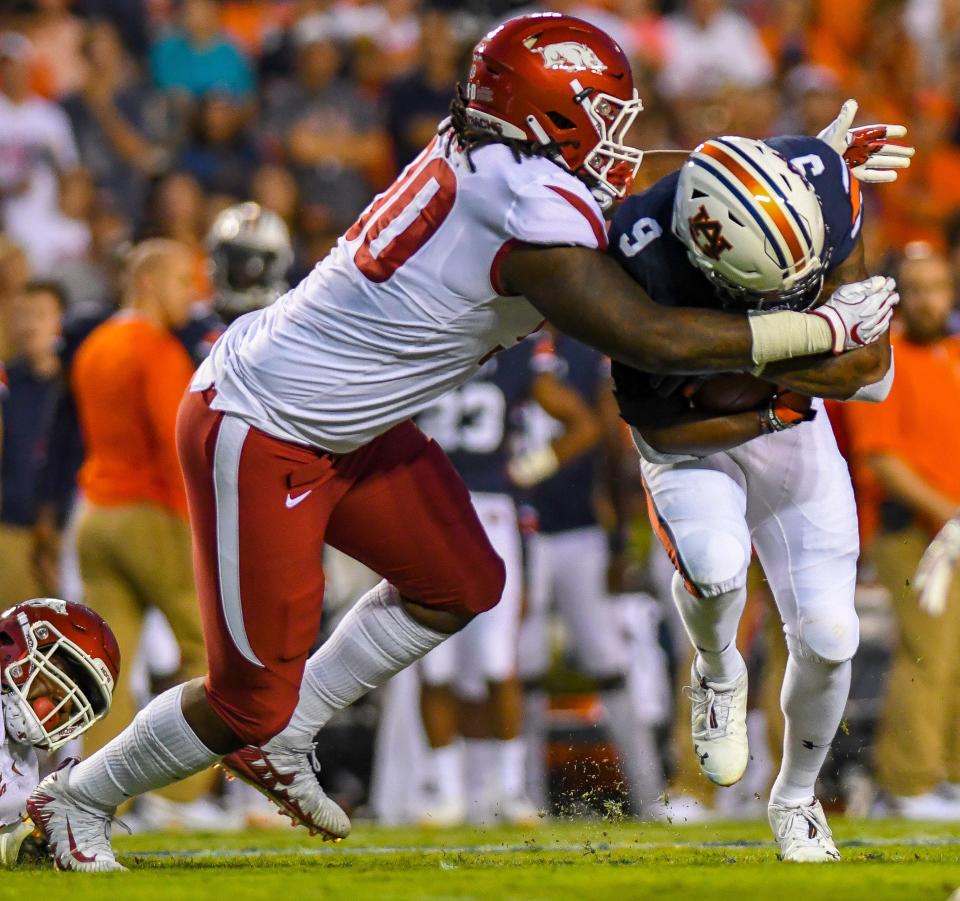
(251, 253)
(752, 224)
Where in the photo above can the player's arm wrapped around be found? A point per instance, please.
(676, 424)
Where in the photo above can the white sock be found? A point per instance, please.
(480, 763)
(512, 755)
(712, 624)
(534, 732)
(156, 749)
(636, 746)
(373, 642)
(446, 765)
(813, 698)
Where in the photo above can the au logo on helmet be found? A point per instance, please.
(708, 234)
(570, 56)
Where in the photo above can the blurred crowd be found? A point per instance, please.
(128, 120)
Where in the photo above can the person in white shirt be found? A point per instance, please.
(709, 46)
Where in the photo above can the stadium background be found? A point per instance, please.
(310, 107)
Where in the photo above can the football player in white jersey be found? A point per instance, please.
(59, 662)
(298, 428)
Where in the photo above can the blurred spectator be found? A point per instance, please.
(35, 318)
(118, 121)
(36, 145)
(14, 274)
(198, 56)
(813, 99)
(416, 104)
(133, 535)
(918, 204)
(794, 37)
(911, 449)
(178, 210)
(332, 132)
(57, 37)
(709, 45)
(220, 154)
(129, 16)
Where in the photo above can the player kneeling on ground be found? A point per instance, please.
(58, 664)
(736, 463)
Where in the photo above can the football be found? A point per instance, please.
(733, 392)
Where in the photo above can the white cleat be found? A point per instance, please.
(718, 723)
(22, 843)
(802, 833)
(930, 806)
(520, 811)
(291, 780)
(79, 835)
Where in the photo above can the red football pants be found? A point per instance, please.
(261, 510)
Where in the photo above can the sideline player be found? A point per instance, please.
(568, 559)
(297, 429)
(59, 663)
(739, 226)
(476, 425)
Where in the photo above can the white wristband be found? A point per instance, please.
(878, 391)
(785, 334)
(533, 467)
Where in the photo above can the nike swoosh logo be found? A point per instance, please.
(292, 502)
(75, 852)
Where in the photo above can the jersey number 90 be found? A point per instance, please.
(403, 219)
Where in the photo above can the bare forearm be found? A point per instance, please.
(904, 484)
(703, 433)
(587, 295)
(833, 377)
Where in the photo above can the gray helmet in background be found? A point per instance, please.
(251, 252)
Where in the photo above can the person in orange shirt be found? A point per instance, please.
(911, 450)
(133, 536)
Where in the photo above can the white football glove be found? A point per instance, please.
(866, 150)
(533, 467)
(860, 312)
(937, 569)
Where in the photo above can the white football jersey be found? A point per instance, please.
(406, 305)
(19, 776)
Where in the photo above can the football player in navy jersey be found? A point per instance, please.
(758, 226)
(475, 426)
(568, 559)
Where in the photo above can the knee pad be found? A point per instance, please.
(714, 562)
(833, 636)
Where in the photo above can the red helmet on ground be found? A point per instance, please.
(71, 652)
(550, 78)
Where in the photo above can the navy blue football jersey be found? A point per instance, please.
(565, 501)
(642, 241)
(476, 423)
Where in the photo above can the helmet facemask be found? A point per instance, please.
(81, 691)
(612, 164)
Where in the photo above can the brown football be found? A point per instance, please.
(733, 392)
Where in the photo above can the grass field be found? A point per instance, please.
(582, 860)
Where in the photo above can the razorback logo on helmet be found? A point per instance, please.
(708, 233)
(570, 56)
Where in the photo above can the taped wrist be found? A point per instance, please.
(785, 334)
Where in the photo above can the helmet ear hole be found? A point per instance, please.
(561, 121)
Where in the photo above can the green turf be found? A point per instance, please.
(555, 861)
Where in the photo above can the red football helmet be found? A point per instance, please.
(73, 652)
(548, 78)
